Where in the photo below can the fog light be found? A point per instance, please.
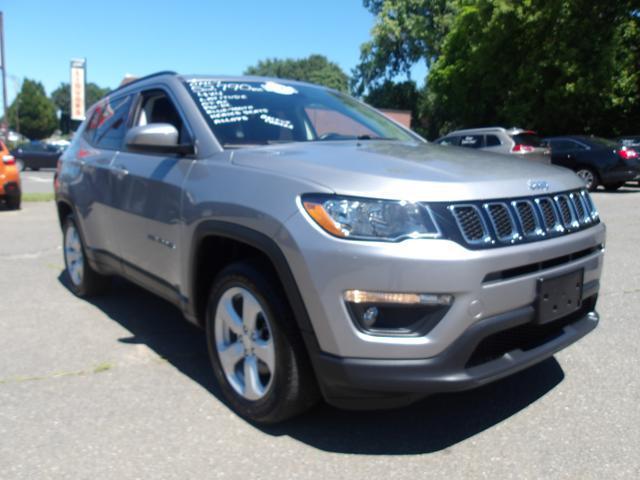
(360, 296)
(370, 316)
(396, 314)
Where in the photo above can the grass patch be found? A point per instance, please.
(38, 197)
(103, 367)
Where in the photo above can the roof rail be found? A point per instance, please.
(146, 77)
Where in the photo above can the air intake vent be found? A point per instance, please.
(548, 214)
(470, 223)
(527, 217)
(501, 220)
(565, 211)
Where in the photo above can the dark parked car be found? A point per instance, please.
(597, 160)
(36, 155)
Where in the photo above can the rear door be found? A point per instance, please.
(94, 193)
(148, 190)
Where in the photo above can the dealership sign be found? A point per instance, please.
(78, 69)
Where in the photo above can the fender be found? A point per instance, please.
(269, 247)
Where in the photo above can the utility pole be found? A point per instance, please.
(5, 124)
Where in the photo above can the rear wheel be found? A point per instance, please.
(83, 279)
(590, 178)
(256, 351)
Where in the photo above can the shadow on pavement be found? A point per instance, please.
(428, 426)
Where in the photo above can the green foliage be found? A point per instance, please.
(313, 69)
(559, 66)
(34, 112)
(401, 96)
(61, 97)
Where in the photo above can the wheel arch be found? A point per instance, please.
(238, 242)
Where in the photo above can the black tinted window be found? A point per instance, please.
(449, 141)
(528, 139)
(471, 141)
(493, 141)
(565, 145)
(108, 123)
(157, 107)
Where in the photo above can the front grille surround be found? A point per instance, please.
(502, 222)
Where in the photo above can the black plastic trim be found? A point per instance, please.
(392, 381)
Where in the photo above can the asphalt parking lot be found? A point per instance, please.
(37, 182)
(120, 387)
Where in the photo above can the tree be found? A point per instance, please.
(35, 112)
(402, 96)
(314, 69)
(559, 66)
(61, 97)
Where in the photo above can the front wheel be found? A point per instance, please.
(590, 178)
(84, 280)
(256, 351)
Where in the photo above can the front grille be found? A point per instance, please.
(565, 210)
(496, 223)
(470, 222)
(501, 220)
(527, 217)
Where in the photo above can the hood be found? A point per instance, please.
(407, 171)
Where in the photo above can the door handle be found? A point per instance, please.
(121, 170)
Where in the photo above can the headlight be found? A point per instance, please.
(370, 219)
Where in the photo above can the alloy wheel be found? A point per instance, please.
(73, 256)
(244, 343)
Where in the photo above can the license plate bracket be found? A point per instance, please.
(559, 296)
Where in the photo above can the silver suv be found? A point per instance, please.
(516, 141)
(326, 250)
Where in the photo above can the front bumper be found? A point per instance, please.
(488, 351)
(325, 267)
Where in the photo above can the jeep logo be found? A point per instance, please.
(538, 185)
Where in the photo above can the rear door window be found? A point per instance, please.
(472, 141)
(492, 141)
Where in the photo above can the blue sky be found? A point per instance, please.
(142, 36)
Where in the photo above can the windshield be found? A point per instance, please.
(243, 114)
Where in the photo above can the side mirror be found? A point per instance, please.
(156, 138)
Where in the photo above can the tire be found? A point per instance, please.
(612, 187)
(590, 178)
(35, 169)
(84, 281)
(283, 381)
(13, 202)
